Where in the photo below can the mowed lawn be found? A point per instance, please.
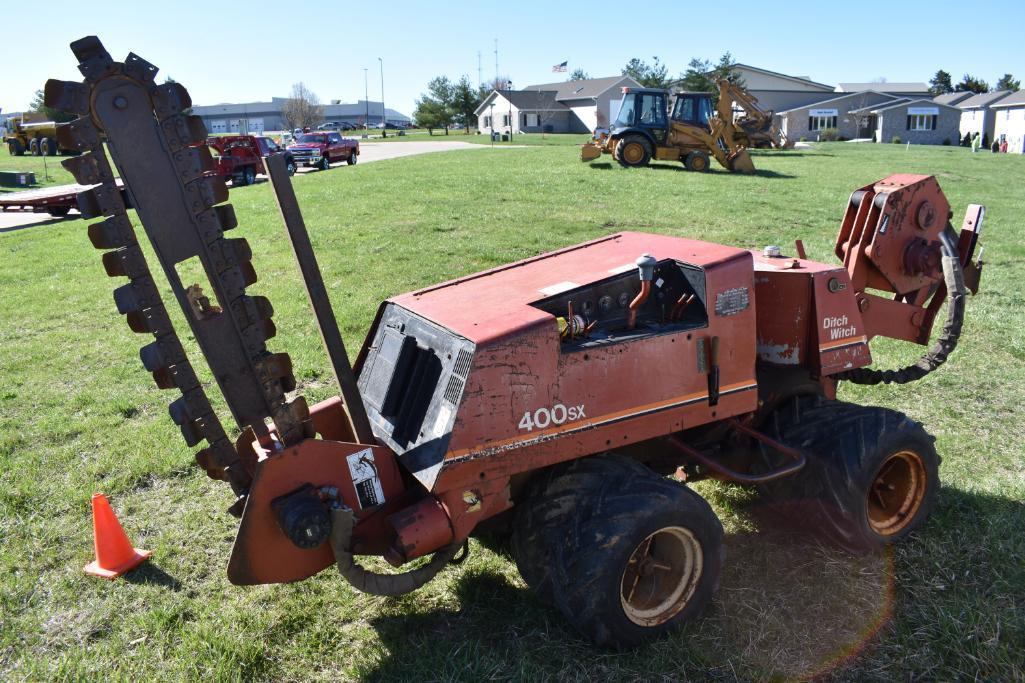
(79, 414)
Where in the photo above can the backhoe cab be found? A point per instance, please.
(693, 133)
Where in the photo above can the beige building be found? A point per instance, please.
(1009, 121)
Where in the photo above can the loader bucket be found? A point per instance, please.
(740, 162)
(590, 151)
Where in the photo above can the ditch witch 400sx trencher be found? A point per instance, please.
(548, 397)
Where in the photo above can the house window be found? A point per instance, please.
(505, 119)
(821, 122)
(487, 122)
(921, 122)
(531, 120)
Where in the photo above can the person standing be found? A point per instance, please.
(976, 142)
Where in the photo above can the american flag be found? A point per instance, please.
(560, 68)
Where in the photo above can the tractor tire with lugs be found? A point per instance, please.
(624, 554)
(872, 473)
(633, 150)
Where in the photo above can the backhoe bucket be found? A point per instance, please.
(590, 151)
(740, 162)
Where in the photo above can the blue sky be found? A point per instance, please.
(250, 50)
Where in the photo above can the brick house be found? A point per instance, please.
(810, 120)
(919, 121)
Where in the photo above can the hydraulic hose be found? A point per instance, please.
(366, 581)
(953, 277)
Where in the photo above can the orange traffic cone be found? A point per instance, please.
(114, 552)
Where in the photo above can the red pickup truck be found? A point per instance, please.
(321, 149)
(239, 158)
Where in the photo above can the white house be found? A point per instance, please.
(1009, 121)
(977, 115)
(566, 107)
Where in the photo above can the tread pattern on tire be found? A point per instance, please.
(574, 512)
(618, 151)
(845, 444)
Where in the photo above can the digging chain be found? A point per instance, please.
(164, 164)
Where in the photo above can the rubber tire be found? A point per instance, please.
(352, 158)
(59, 211)
(632, 140)
(15, 148)
(575, 533)
(48, 147)
(33, 147)
(325, 163)
(290, 167)
(845, 445)
(248, 176)
(694, 161)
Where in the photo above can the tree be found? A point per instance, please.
(302, 109)
(972, 84)
(703, 76)
(654, 75)
(578, 75)
(1008, 82)
(435, 108)
(50, 113)
(940, 83)
(465, 100)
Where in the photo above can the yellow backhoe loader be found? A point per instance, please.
(692, 133)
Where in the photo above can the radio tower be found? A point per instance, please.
(496, 62)
(480, 77)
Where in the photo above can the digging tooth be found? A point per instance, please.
(102, 200)
(69, 96)
(226, 217)
(205, 193)
(127, 261)
(162, 352)
(79, 134)
(193, 163)
(94, 60)
(113, 233)
(170, 99)
(138, 68)
(183, 131)
(138, 294)
(87, 170)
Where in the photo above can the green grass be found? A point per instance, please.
(78, 414)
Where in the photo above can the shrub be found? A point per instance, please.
(946, 142)
(802, 139)
(829, 135)
(895, 140)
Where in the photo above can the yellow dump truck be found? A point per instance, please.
(32, 133)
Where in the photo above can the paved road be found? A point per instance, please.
(369, 151)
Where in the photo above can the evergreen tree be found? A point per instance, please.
(941, 83)
(1008, 82)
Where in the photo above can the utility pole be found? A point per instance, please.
(366, 101)
(384, 121)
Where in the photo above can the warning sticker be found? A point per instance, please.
(365, 478)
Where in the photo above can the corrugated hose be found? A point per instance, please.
(953, 277)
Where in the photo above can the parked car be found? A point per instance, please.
(239, 158)
(321, 149)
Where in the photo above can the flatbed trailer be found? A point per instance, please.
(57, 201)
